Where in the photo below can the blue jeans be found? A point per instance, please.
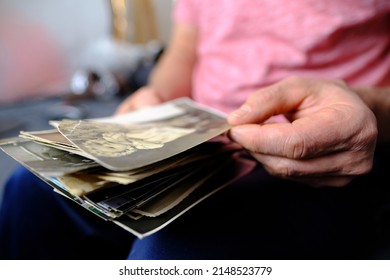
(257, 217)
(37, 223)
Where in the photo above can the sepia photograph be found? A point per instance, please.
(119, 146)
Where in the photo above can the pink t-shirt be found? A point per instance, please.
(247, 44)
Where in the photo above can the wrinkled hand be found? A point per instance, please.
(143, 97)
(329, 138)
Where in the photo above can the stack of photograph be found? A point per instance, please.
(140, 170)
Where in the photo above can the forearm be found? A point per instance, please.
(172, 76)
(378, 99)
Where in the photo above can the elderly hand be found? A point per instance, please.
(329, 138)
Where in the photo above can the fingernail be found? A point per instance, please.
(235, 133)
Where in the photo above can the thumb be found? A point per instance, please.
(276, 99)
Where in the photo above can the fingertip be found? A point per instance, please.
(118, 111)
(122, 109)
(238, 116)
(236, 133)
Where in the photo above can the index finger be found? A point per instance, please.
(303, 138)
(276, 99)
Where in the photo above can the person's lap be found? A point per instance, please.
(258, 217)
(261, 217)
(37, 223)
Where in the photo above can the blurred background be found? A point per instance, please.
(73, 59)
